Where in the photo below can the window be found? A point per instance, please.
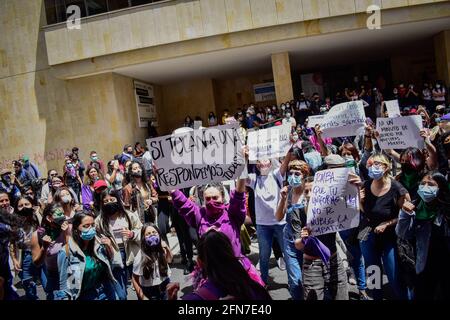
(56, 10)
(96, 6)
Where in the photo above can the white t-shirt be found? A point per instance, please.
(436, 91)
(267, 196)
(116, 226)
(138, 270)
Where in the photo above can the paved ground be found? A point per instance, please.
(277, 284)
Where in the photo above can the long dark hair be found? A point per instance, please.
(34, 223)
(443, 195)
(48, 211)
(76, 235)
(58, 198)
(152, 254)
(105, 217)
(222, 268)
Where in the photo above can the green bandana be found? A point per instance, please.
(410, 180)
(426, 211)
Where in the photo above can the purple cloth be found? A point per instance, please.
(314, 247)
(87, 196)
(229, 223)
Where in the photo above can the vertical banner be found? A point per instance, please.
(334, 202)
(198, 157)
(146, 108)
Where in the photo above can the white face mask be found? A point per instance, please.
(66, 199)
(438, 86)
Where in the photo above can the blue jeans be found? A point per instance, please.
(294, 260)
(378, 253)
(265, 236)
(28, 275)
(121, 275)
(357, 262)
(99, 293)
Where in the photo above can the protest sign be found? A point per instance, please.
(269, 143)
(313, 120)
(334, 202)
(393, 108)
(400, 133)
(197, 157)
(344, 120)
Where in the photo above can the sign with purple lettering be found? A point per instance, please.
(344, 120)
(197, 157)
(334, 202)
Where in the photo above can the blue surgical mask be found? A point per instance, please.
(314, 159)
(295, 181)
(427, 193)
(376, 173)
(88, 234)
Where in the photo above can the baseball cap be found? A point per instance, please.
(99, 185)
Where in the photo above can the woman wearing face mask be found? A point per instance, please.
(114, 177)
(139, 195)
(267, 184)
(46, 188)
(57, 182)
(212, 119)
(46, 243)
(290, 205)
(424, 222)
(72, 178)
(381, 199)
(85, 264)
(28, 271)
(87, 190)
(123, 229)
(224, 218)
(64, 198)
(151, 272)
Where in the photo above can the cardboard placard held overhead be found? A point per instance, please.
(269, 143)
(392, 108)
(344, 120)
(400, 132)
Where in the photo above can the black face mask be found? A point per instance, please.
(25, 212)
(111, 208)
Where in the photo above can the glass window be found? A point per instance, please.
(139, 2)
(118, 4)
(96, 6)
(55, 11)
(79, 3)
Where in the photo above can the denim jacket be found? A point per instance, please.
(72, 268)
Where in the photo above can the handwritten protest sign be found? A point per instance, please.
(400, 133)
(313, 120)
(197, 157)
(344, 120)
(269, 143)
(334, 202)
(393, 108)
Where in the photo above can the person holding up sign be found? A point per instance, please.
(292, 206)
(227, 219)
(381, 199)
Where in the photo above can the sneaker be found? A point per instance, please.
(351, 277)
(281, 264)
(363, 295)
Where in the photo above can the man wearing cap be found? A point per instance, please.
(30, 167)
(7, 185)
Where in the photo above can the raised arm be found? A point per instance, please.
(285, 164)
(186, 208)
(281, 208)
(237, 209)
(323, 147)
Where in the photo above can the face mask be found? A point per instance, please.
(89, 234)
(295, 181)
(214, 208)
(264, 171)
(349, 161)
(137, 173)
(59, 220)
(295, 137)
(438, 86)
(376, 173)
(152, 240)
(313, 159)
(111, 208)
(66, 199)
(427, 193)
(26, 212)
(288, 115)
